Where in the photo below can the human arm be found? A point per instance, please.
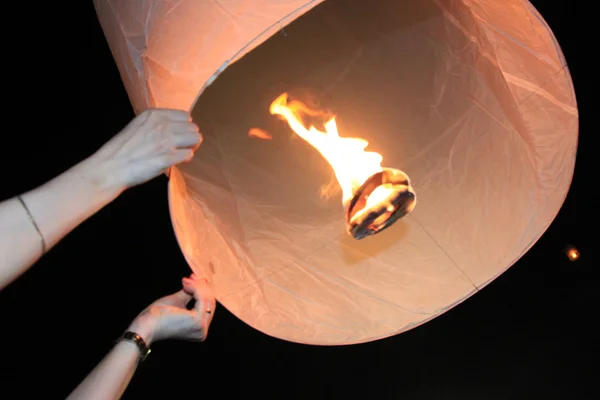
(151, 143)
(166, 318)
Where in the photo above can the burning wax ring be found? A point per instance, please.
(395, 198)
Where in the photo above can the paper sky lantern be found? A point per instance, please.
(466, 104)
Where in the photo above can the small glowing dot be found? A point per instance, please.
(573, 254)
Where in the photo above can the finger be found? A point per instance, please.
(188, 286)
(197, 145)
(183, 127)
(205, 305)
(199, 289)
(207, 320)
(197, 285)
(170, 114)
(186, 134)
(178, 299)
(201, 284)
(188, 139)
(210, 315)
(178, 156)
(206, 312)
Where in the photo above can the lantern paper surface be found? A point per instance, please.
(472, 99)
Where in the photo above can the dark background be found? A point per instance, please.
(528, 335)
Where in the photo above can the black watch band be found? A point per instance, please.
(139, 342)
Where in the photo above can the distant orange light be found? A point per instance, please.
(573, 254)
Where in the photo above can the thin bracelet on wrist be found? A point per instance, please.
(35, 225)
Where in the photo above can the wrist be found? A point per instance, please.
(145, 327)
(103, 176)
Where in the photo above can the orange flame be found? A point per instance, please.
(259, 133)
(351, 164)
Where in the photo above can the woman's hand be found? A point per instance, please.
(154, 141)
(169, 318)
(165, 318)
(151, 143)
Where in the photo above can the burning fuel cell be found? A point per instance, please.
(380, 201)
(374, 197)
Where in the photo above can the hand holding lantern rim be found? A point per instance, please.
(166, 318)
(150, 144)
(34, 222)
(169, 317)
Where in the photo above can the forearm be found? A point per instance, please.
(111, 377)
(57, 207)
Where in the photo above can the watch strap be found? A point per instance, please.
(139, 342)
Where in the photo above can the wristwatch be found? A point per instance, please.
(139, 342)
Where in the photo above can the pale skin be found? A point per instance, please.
(166, 318)
(154, 141)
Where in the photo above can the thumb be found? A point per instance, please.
(188, 286)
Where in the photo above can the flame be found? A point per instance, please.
(351, 164)
(259, 133)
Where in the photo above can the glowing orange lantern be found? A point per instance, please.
(471, 98)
